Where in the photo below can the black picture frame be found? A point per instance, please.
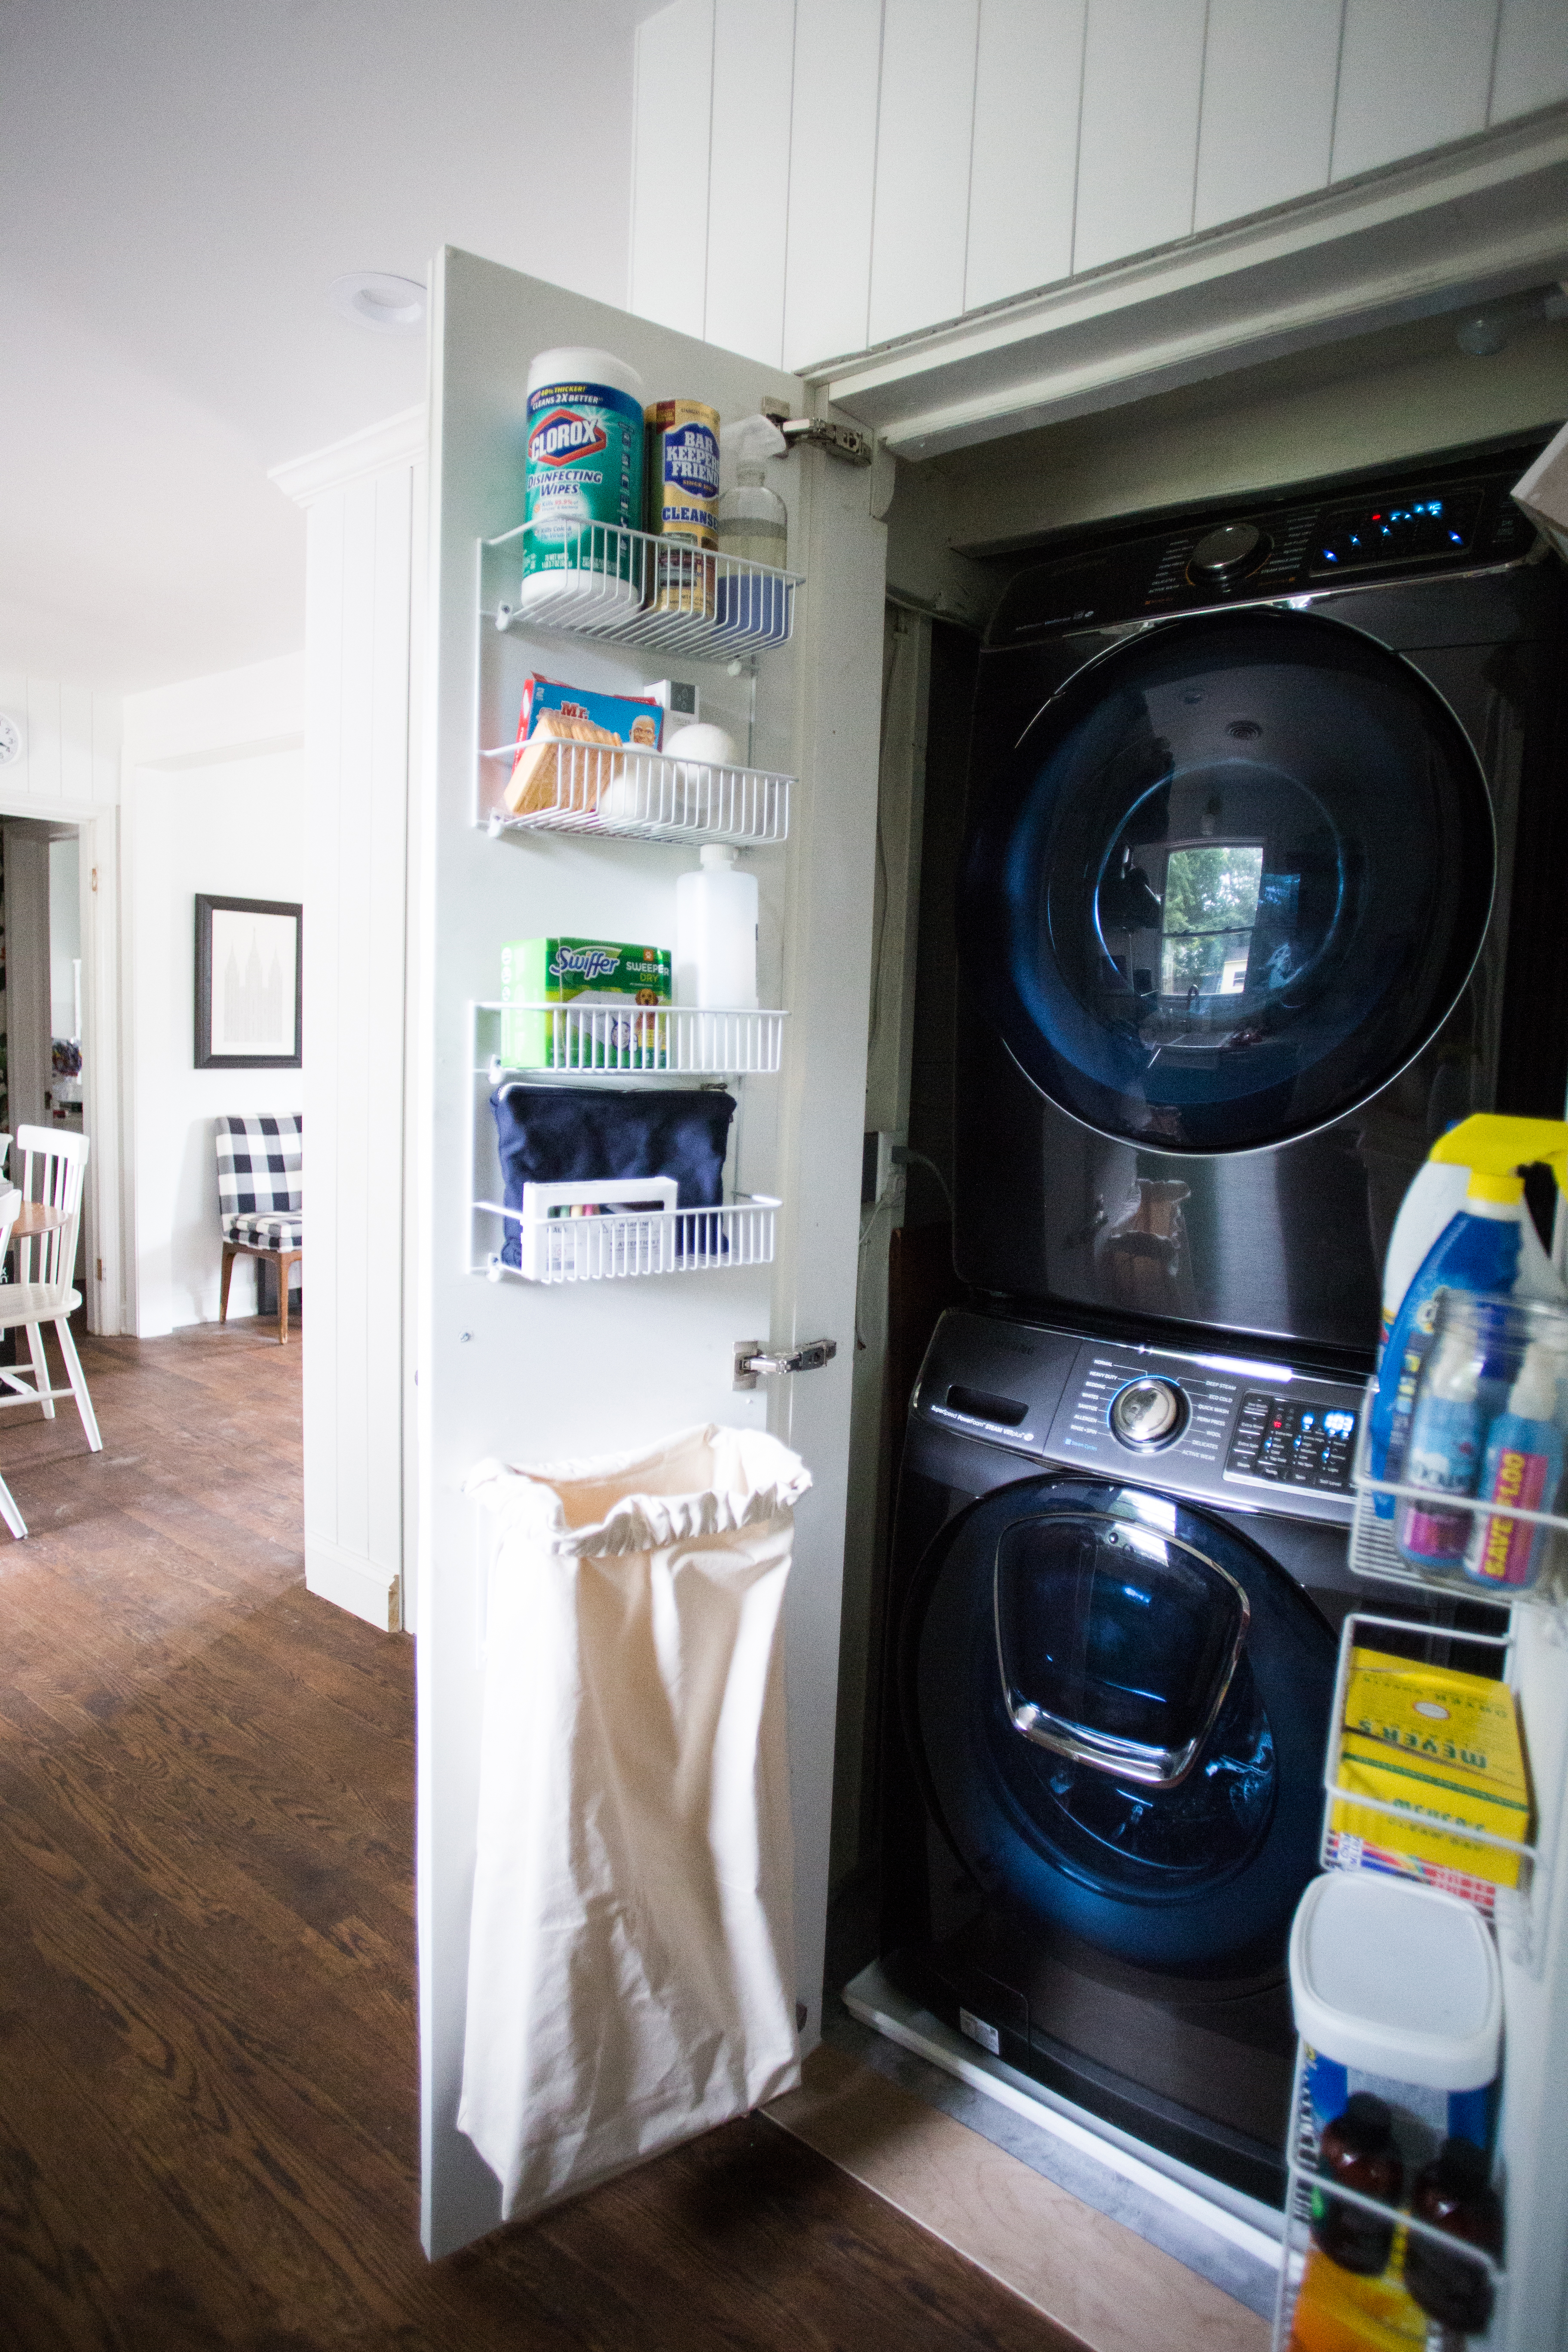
(206, 908)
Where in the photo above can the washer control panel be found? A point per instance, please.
(1220, 1427)
(1290, 1440)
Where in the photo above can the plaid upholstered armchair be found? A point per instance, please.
(260, 1199)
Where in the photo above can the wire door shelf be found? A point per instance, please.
(1515, 1912)
(591, 1038)
(643, 795)
(1296, 2249)
(636, 589)
(1375, 1546)
(628, 1227)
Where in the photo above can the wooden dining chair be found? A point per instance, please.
(54, 1166)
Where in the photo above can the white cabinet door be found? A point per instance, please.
(533, 1373)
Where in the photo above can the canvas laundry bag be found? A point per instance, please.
(631, 1971)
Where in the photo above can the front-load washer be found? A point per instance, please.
(1263, 887)
(1118, 1578)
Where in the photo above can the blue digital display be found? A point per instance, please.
(1339, 1424)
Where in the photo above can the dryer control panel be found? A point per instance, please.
(1241, 1429)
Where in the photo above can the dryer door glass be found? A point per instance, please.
(1236, 877)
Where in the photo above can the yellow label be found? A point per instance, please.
(1338, 2312)
(1444, 1748)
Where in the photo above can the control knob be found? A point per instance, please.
(1225, 554)
(1146, 1413)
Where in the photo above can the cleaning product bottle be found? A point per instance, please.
(752, 523)
(1357, 2147)
(716, 933)
(1479, 1249)
(1448, 1430)
(1523, 1466)
(1455, 2194)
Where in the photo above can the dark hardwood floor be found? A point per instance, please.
(208, 2055)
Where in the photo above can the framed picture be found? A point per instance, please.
(248, 967)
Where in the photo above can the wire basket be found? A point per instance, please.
(616, 1229)
(645, 796)
(637, 589)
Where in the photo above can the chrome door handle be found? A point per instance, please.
(754, 1361)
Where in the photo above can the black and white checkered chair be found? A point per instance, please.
(260, 1199)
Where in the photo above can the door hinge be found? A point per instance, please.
(101, 1269)
(820, 433)
(753, 1360)
(95, 877)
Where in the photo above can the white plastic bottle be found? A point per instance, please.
(716, 933)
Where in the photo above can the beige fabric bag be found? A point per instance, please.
(631, 1972)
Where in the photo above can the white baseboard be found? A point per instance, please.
(354, 1583)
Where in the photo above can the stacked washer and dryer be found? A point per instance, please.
(1264, 886)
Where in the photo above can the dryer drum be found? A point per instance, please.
(1235, 876)
(1101, 1614)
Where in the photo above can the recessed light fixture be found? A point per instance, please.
(392, 305)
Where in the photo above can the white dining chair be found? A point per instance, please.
(10, 1202)
(54, 1163)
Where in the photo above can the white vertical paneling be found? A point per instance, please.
(1531, 67)
(672, 109)
(1270, 68)
(75, 745)
(925, 116)
(832, 178)
(1023, 172)
(44, 739)
(1138, 138)
(362, 521)
(1413, 75)
(748, 184)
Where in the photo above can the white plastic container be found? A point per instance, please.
(716, 933)
(584, 412)
(1396, 1989)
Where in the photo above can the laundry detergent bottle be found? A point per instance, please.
(1482, 1247)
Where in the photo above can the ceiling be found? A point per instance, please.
(179, 180)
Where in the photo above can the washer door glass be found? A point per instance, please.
(1094, 1615)
(1236, 875)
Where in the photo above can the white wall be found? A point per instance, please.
(70, 760)
(875, 167)
(213, 802)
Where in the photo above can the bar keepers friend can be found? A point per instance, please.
(682, 499)
(585, 469)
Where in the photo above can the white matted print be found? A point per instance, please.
(247, 984)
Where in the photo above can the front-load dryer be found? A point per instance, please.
(1263, 887)
(1118, 1578)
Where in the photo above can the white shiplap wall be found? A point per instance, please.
(815, 177)
(70, 760)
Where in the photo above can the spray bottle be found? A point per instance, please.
(1522, 1467)
(1482, 1248)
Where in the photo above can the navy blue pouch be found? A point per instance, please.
(570, 1135)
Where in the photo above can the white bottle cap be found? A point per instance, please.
(1398, 1980)
(719, 853)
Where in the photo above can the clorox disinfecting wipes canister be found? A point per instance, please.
(585, 467)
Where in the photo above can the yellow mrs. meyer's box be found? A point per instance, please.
(1444, 1748)
(596, 976)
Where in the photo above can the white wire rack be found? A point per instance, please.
(1375, 1538)
(648, 795)
(630, 1225)
(640, 590)
(1298, 2250)
(593, 1038)
(1516, 1911)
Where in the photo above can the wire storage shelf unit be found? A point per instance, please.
(590, 1038)
(636, 589)
(1485, 1528)
(630, 1225)
(643, 795)
(1385, 2298)
(1506, 1880)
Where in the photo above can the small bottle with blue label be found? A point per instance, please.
(1447, 1434)
(1522, 1465)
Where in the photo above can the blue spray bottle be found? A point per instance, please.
(1477, 1249)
